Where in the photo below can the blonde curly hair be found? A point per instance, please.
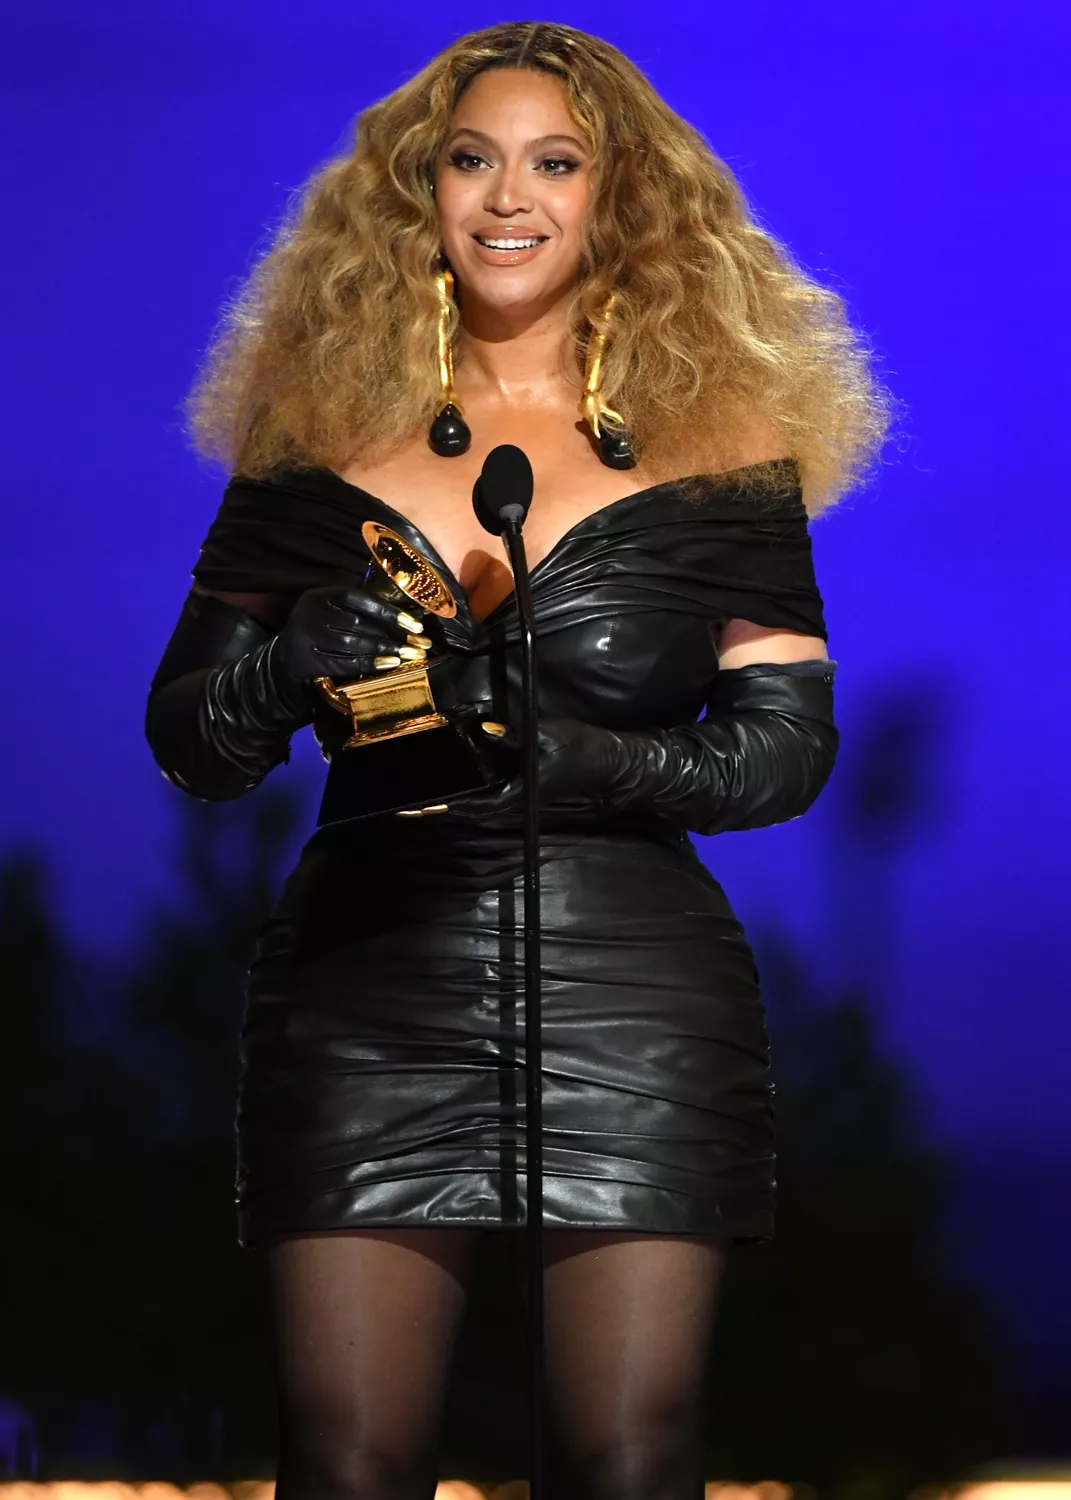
(327, 353)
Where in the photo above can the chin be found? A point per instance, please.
(497, 288)
(500, 287)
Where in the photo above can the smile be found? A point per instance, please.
(527, 243)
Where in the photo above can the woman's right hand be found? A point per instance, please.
(344, 632)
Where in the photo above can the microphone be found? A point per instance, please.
(501, 498)
(502, 495)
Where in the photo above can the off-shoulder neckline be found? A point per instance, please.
(599, 514)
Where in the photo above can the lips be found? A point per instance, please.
(508, 257)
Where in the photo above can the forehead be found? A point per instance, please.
(512, 93)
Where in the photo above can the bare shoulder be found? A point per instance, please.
(742, 642)
(268, 609)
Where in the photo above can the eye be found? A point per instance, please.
(457, 158)
(561, 161)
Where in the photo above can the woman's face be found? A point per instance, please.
(514, 166)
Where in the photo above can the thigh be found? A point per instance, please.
(628, 1324)
(364, 1325)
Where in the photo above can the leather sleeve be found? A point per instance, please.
(213, 721)
(761, 754)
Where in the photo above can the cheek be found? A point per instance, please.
(452, 200)
(571, 206)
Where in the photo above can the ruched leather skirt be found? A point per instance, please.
(383, 1049)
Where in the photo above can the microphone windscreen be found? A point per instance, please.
(503, 493)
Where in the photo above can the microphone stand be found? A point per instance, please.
(532, 1005)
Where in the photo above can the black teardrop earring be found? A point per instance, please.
(615, 448)
(449, 434)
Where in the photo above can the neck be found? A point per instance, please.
(514, 355)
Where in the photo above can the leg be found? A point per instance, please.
(364, 1327)
(628, 1325)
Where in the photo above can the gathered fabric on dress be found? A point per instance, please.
(383, 1048)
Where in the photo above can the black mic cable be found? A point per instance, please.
(501, 498)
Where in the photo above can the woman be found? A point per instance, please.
(529, 194)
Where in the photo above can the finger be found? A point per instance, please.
(344, 656)
(341, 641)
(349, 609)
(398, 619)
(487, 804)
(400, 656)
(504, 734)
(351, 641)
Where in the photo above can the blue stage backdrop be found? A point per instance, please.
(912, 156)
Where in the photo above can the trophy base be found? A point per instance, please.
(410, 772)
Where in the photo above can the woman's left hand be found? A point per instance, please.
(576, 765)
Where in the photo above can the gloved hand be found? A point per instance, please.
(577, 762)
(761, 755)
(228, 695)
(342, 632)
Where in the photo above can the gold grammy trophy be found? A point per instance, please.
(420, 744)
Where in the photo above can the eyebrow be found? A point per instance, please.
(541, 140)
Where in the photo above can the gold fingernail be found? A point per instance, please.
(409, 622)
(491, 726)
(412, 653)
(382, 662)
(437, 807)
(420, 640)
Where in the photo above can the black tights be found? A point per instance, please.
(365, 1324)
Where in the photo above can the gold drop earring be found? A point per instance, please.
(449, 434)
(615, 448)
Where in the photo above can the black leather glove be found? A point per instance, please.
(761, 755)
(339, 632)
(228, 694)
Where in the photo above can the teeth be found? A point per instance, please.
(509, 244)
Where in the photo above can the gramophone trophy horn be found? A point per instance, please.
(447, 748)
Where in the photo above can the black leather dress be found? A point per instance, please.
(383, 1048)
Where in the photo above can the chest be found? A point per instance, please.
(435, 494)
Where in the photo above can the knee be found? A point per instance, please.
(357, 1473)
(659, 1458)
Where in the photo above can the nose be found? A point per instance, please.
(507, 192)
